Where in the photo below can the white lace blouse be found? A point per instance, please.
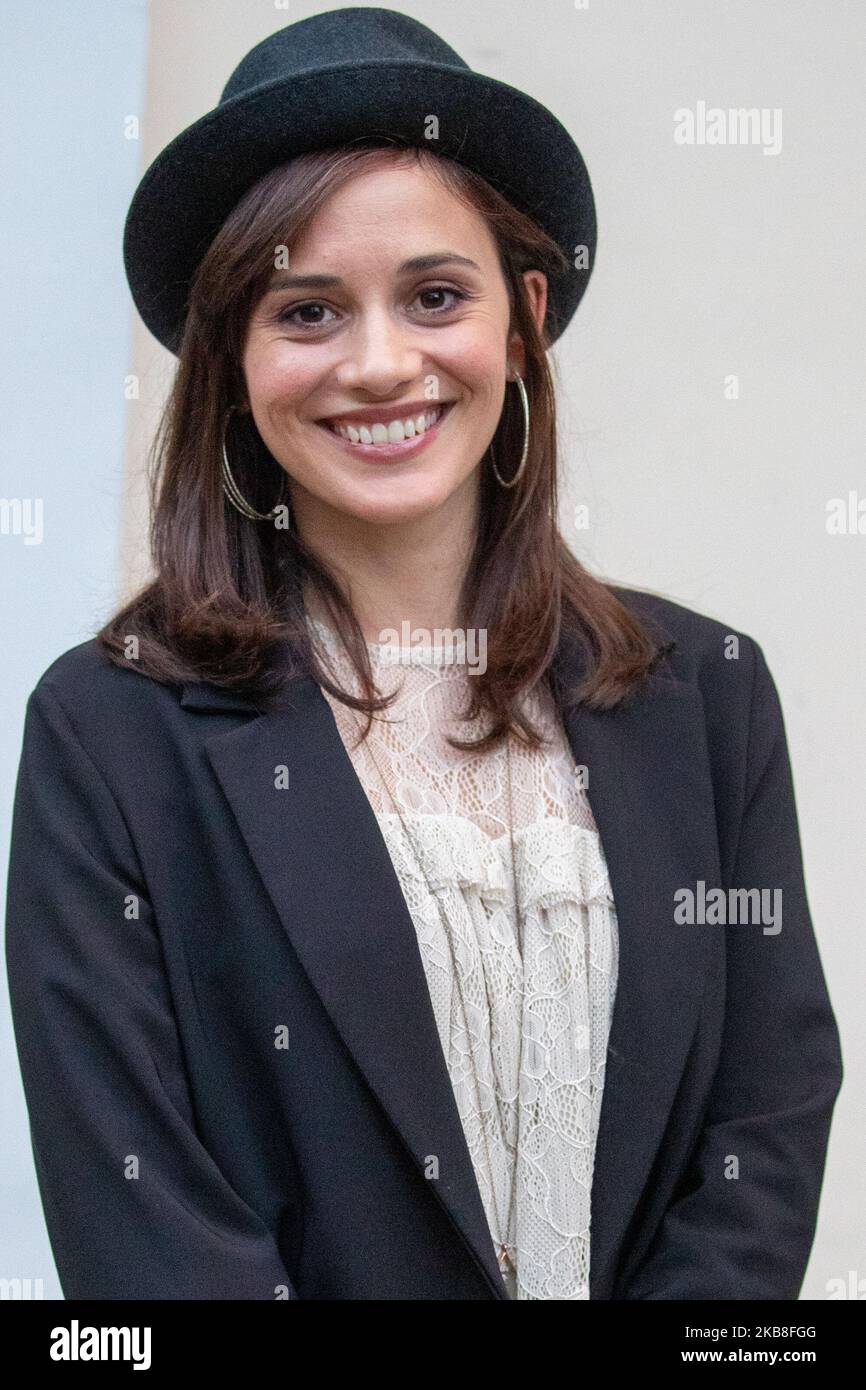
(523, 1014)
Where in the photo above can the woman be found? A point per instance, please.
(373, 915)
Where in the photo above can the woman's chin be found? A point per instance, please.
(395, 503)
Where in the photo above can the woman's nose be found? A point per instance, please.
(379, 354)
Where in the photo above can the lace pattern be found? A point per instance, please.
(523, 1016)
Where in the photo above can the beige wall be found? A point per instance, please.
(193, 47)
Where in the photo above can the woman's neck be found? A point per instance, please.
(393, 574)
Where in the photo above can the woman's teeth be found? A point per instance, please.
(394, 433)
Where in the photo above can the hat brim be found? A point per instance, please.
(503, 134)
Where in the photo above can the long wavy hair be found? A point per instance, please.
(225, 604)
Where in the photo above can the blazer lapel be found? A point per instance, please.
(321, 855)
(324, 862)
(649, 786)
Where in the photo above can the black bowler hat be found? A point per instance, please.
(327, 80)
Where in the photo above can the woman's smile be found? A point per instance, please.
(388, 439)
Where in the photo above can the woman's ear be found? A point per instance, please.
(536, 289)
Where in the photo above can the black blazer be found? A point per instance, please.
(230, 1058)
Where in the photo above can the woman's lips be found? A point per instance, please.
(406, 449)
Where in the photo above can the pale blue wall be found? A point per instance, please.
(69, 76)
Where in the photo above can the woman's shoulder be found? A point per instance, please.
(115, 709)
(695, 634)
(89, 713)
(86, 673)
(724, 672)
(85, 695)
(701, 650)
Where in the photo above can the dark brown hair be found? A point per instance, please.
(226, 606)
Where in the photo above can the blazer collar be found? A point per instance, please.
(322, 858)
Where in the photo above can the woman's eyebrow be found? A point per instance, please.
(281, 280)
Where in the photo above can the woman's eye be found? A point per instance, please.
(440, 289)
(288, 315)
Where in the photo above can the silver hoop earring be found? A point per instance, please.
(233, 492)
(524, 401)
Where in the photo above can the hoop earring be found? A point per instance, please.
(524, 401)
(233, 492)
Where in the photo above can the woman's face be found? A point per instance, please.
(357, 331)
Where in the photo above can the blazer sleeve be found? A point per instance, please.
(135, 1205)
(780, 1069)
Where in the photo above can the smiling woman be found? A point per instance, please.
(399, 1007)
(375, 338)
(411, 285)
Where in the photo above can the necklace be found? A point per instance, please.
(504, 1239)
